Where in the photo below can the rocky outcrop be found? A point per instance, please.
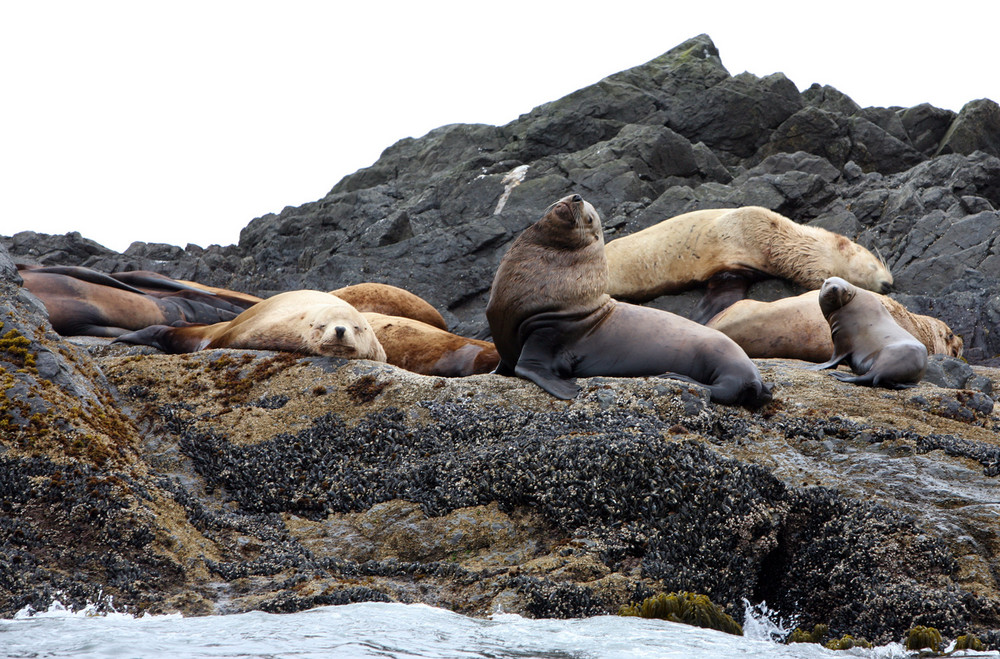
(921, 185)
(258, 480)
(230, 480)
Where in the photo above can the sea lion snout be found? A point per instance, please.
(568, 208)
(340, 330)
(886, 288)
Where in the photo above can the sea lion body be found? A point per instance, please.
(552, 320)
(390, 301)
(428, 350)
(310, 322)
(81, 301)
(155, 283)
(747, 243)
(794, 328)
(865, 336)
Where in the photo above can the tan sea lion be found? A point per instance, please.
(82, 301)
(794, 328)
(391, 301)
(309, 322)
(429, 350)
(878, 350)
(730, 248)
(552, 319)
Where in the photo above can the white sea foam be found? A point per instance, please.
(398, 631)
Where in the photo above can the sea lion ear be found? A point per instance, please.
(843, 244)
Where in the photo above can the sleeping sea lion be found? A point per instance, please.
(309, 322)
(730, 248)
(81, 301)
(794, 328)
(429, 350)
(390, 301)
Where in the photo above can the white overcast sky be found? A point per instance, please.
(179, 122)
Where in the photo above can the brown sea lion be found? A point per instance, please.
(154, 283)
(391, 301)
(728, 249)
(552, 319)
(794, 328)
(878, 350)
(429, 350)
(81, 301)
(309, 322)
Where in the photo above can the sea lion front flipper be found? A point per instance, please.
(542, 361)
(834, 362)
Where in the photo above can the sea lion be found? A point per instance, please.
(794, 328)
(309, 322)
(154, 283)
(81, 301)
(552, 319)
(391, 301)
(730, 248)
(428, 350)
(878, 350)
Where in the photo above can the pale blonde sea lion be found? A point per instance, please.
(552, 319)
(748, 243)
(794, 328)
(310, 322)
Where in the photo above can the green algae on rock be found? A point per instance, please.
(688, 608)
(920, 637)
(846, 642)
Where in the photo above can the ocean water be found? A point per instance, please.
(396, 631)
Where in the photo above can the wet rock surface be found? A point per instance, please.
(292, 482)
(235, 480)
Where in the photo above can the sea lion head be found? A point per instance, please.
(571, 223)
(341, 331)
(862, 268)
(834, 294)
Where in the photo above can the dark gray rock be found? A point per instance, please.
(926, 126)
(827, 98)
(977, 128)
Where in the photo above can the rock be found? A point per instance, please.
(237, 480)
(926, 126)
(976, 128)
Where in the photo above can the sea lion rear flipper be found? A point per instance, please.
(722, 291)
(542, 361)
(173, 340)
